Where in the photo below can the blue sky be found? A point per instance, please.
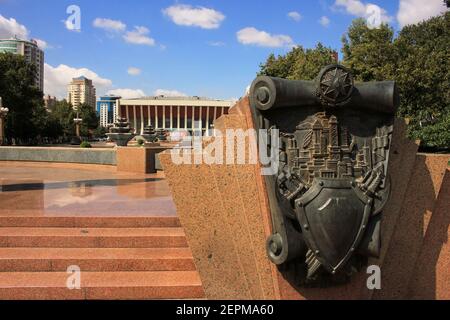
(177, 48)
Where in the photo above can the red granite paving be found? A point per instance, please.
(96, 259)
(121, 230)
(101, 285)
(62, 190)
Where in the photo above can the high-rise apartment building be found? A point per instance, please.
(107, 110)
(80, 91)
(32, 53)
(50, 102)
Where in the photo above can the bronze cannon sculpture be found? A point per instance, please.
(331, 184)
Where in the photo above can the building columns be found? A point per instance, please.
(142, 119)
(207, 120)
(134, 119)
(149, 116)
(117, 111)
(193, 118)
(200, 115)
(164, 117)
(205, 117)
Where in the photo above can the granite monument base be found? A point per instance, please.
(138, 159)
(225, 214)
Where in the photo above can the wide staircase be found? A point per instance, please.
(118, 258)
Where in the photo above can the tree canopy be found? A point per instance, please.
(418, 59)
(299, 63)
(64, 114)
(28, 121)
(22, 98)
(90, 119)
(423, 76)
(369, 53)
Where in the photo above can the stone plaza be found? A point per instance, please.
(242, 154)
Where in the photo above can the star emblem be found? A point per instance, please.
(336, 84)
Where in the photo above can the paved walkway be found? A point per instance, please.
(119, 230)
(70, 189)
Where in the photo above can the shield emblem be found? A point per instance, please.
(333, 215)
(332, 180)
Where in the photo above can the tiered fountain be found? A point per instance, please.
(120, 133)
(161, 134)
(149, 134)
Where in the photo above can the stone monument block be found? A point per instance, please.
(138, 159)
(225, 209)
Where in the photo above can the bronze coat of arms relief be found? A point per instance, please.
(331, 184)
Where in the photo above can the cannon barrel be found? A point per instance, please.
(270, 92)
(380, 96)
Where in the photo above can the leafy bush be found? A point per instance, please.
(85, 144)
(140, 142)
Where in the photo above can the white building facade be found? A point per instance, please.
(32, 53)
(173, 113)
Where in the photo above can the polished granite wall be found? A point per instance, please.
(56, 154)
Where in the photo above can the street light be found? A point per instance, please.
(77, 122)
(3, 114)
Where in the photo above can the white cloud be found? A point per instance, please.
(186, 15)
(109, 25)
(294, 15)
(57, 78)
(415, 11)
(169, 93)
(253, 36)
(133, 71)
(42, 44)
(324, 21)
(10, 28)
(364, 10)
(139, 36)
(127, 93)
(354, 7)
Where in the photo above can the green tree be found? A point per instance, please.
(21, 96)
(280, 66)
(46, 124)
(423, 77)
(309, 62)
(299, 63)
(369, 53)
(64, 115)
(418, 60)
(100, 132)
(52, 127)
(90, 119)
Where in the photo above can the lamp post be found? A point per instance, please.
(77, 122)
(3, 114)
